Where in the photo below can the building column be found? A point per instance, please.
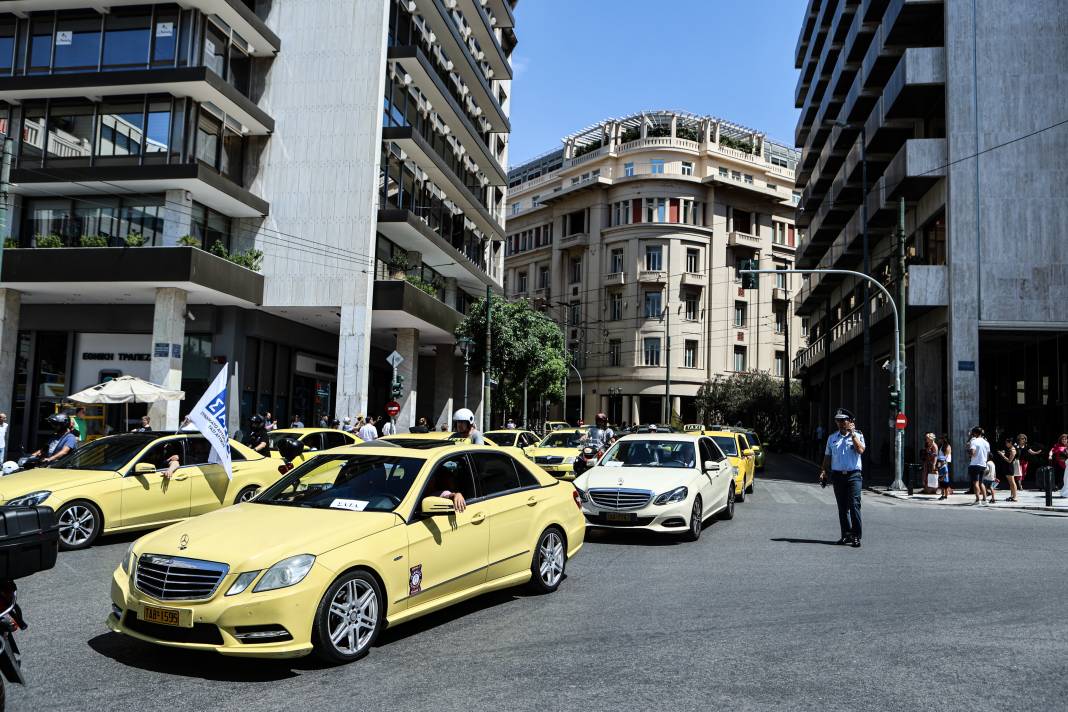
(168, 339)
(407, 345)
(444, 364)
(676, 406)
(177, 217)
(635, 416)
(354, 360)
(10, 305)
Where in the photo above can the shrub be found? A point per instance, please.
(250, 259)
(423, 285)
(134, 239)
(10, 243)
(93, 241)
(47, 240)
(219, 250)
(189, 241)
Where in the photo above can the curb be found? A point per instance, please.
(1011, 508)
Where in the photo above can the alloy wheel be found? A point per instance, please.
(695, 519)
(76, 525)
(247, 494)
(551, 553)
(353, 617)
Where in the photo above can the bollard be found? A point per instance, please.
(1045, 475)
(913, 471)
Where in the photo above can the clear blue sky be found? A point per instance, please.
(581, 61)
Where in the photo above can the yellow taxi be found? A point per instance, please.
(551, 425)
(313, 439)
(116, 484)
(522, 439)
(736, 447)
(557, 451)
(354, 540)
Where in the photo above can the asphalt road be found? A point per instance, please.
(943, 608)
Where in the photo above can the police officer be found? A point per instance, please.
(257, 437)
(842, 455)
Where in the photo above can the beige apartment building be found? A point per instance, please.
(630, 237)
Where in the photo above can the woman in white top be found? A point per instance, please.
(944, 460)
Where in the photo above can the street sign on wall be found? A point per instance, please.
(392, 409)
(901, 422)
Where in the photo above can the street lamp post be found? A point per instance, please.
(465, 343)
(582, 393)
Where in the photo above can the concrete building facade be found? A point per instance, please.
(630, 236)
(350, 151)
(958, 108)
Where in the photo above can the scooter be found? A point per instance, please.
(587, 458)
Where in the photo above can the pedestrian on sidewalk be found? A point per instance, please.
(1005, 463)
(990, 480)
(386, 426)
(368, 431)
(1058, 456)
(1024, 454)
(930, 464)
(945, 458)
(842, 458)
(979, 453)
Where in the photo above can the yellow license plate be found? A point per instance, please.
(163, 616)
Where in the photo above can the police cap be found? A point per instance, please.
(844, 414)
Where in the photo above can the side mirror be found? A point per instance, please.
(144, 468)
(436, 506)
(711, 466)
(747, 453)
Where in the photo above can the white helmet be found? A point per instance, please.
(10, 467)
(464, 415)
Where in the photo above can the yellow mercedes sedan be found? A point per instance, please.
(346, 544)
(557, 451)
(736, 447)
(117, 484)
(313, 439)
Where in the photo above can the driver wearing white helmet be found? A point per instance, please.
(464, 423)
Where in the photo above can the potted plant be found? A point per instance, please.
(398, 265)
(189, 241)
(134, 239)
(52, 240)
(10, 243)
(93, 241)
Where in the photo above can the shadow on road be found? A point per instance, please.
(638, 537)
(791, 540)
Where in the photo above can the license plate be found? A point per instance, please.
(163, 616)
(618, 517)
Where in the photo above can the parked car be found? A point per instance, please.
(557, 451)
(736, 448)
(368, 543)
(522, 439)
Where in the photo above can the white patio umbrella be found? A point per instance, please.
(126, 390)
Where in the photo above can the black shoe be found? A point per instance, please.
(844, 541)
(855, 542)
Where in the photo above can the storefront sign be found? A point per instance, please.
(317, 368)
(98, 357)
(965, 365)
(176, 350)
(161, 350)
(164, 29)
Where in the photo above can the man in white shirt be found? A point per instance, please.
(979, 453)
(388, 428)
(3, 437)
(368, 431)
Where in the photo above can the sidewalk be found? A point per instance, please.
(1028, 499)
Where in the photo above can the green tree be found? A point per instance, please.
(525, 344)
(752, 399)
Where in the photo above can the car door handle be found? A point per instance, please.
(532, 500)
(179, 478)
(478, 517)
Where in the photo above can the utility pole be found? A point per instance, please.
(525, 379)
(489, 345)
(5, 184)
(667, 342)
(900, 375)
(786, 370)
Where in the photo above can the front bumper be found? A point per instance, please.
(560, 472)
(219, 617)
(665, 518)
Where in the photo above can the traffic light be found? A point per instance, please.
(895, 400)
(397, 388)
(749, 281)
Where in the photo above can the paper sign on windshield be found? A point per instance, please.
(353, 505)
(613, 463)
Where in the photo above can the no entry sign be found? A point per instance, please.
(392, 408)
(901, 422)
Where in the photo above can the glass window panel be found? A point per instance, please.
(127, 35)
(232, 165)
(215, 47)
(7, 46)
(240, 69)
(164, 37)
(48, 217)
(121, 131)
(159, 131)
(95, 218)
(77, 43)
(40, 45)
(198, 216)
(33, 133)
(143, 215)
(70, 134)
(218, 229)
(208, 130)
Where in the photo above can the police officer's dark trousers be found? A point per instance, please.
(847, 486)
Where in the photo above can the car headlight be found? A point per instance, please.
(245, 580)
(30, 500)
(734, 471)
(570, 460)
(286, 572)
(583, 496)
(676, 495)
(127, 559)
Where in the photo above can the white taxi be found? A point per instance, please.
(661, 482)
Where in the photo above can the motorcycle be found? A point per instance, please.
(587, 458)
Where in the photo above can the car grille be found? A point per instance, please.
(173, 578)
(620, 498)
(548, 460)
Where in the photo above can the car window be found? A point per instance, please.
(706, 451)
(752, 438)
(495, 473)
(235, 455)
(453, 475)
(312, 441)
(528, 440)
(158, 454)
(502, 439)
(334, 440)
(110, 453)
(197, 451)
(727, 444)
(744, 443)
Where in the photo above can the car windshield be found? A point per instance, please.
(359, 483)
(650, 453)
(727, 444)
(502, 439)
(110, 453)
(562, 440)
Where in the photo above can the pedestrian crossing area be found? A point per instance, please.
(791, 493)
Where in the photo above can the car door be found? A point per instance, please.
(717, 479)
(209, 487)
(750, 461)
(447, 553)
(335, 439)
(511, 497)
(313, 442)
(149, 498)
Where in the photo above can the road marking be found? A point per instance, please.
(779, 495)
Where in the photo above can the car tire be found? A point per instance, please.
(80, 523)
(696, 523)
(341, 617)
(246, 494)
(740, 496)
(752, 485)
(728, 511)
(548, 563)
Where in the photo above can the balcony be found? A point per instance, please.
(917, 84)
(783, 249)
(615, 279)
(482, 29)
(743, 239)
(198, 83)
(693, 279)
(663, 143)
(396, 304)
(542, 293)
(778, 294)
(919, 164)
(652, 276)
(578, 239)
(459, 255)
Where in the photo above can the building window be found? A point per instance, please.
(692, 260)
(780, 279)
(543, 277)
(575, 269)
(521, 283)
(653, 304)
(723, 172)
(615, 306)
(739, 314)
(654, 258)
(615, 352)
(692, 307)
(749, 179)
(576, 313)
(804, 327)
(656, 210)
(651, 351)
(736, 175)
(780, 321)
(656, 165)
(687, 168)
(739, 358)
(628, 169)
(615, 261)
(515, 208)
(689, 354)
(535, 200)
(780, 364)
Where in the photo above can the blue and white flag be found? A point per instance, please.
(209, 415)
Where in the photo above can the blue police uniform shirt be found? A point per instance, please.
(844, 457)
